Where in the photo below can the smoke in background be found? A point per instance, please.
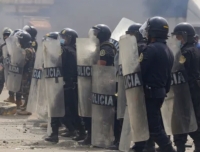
(81, 15)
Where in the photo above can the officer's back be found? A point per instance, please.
(156, 64)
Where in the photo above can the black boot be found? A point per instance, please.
(197, 143)
(150, 146)
(134, 150)
(52, 138)
(79, 136)
(180, 148)
(86, 141)
(168, 148)
(68, 134)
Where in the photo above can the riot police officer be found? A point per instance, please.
(156, 64)
(33, 32)
(71, 119)
(185, 33)
(106, 58)
(6, 34)
(25, 42)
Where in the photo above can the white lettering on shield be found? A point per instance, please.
(132, 80)
(14, 69)
(85, 71)
(104, 100)
(53, 72)
(37, 74)
(178, 78)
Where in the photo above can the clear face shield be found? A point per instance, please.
(143, 30)
(179, 38)
(93, 33)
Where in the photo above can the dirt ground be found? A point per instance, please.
(24, 134)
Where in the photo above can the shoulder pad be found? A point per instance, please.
(109, 44)
(107, 51)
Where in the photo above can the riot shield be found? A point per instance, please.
(17, 61)
(42, 103)
(121, 99)
(125, 139)
(53, 77)
(177, 110)
(6, 62)
(103, 105)
(134, 88)
(121, 28)
(37, 104)
(49, 128)
(87, 55)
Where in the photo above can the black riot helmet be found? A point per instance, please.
(6, 32)
(24, 39)
(134, 30)
(157, 27)
(186, 30)
(102, 32)
(31, 30)
(69, 35)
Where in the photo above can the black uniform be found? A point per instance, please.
(191, 54)
(156, 64)
(71, 119)
(156, 75)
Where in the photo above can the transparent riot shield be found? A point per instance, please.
(17, 61)
(177, 110)
(42, 103)
(53, 77)
(134, 88)
(37, 104)
(103, 105)
(121, 98)
(6, 62)
(87, 55)
(125, 139)
(121, 28)
(49, 128)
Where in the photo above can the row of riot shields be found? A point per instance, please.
(97, 88)
(177, 110)
(46, 97)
